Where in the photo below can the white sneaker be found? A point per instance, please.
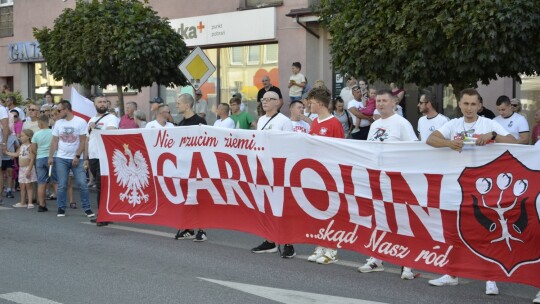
(445, 280)
(372, 264)
(537, 299)
(407, 274)
(329, 257)
(491, 288)
(355, 130)
(319, 252)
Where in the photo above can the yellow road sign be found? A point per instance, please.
(197, 68)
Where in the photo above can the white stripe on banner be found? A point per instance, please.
(25, 298)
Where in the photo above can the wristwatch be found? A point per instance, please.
(77, 156)
(493, 135)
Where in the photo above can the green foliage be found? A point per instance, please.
(434, 41)
(113, 42)
(17, 95)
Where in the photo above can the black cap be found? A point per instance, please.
(156, 99)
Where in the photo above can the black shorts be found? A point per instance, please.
(7, 164)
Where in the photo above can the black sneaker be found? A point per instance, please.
(200, 237)
(288, 252)
(61, 212)
(42, 209)
(9, 194)
(89, 213)
(265, 247)
(185, 235)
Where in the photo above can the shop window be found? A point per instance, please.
(253, 54)
(44, 81)
(6, 18)
(237, 55)
(233, 75)
(111, 90)
(248, 4)
(270, 53)
(529, 95)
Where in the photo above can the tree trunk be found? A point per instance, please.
(120, 102)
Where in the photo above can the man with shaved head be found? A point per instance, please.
(267, 86)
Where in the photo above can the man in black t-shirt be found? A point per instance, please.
(185, 107)
(487, 113)
(267, 86)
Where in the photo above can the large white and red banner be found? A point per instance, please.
(474, 213)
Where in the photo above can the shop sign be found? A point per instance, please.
(27, 51)
(249, 25)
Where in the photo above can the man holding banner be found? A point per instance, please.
(102, 121)
(469, 129)
(273, 121)
(390, 127)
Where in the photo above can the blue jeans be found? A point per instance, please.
(63, 166)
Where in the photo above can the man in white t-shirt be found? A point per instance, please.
(346, 93)
(354, 106)
(68, 141)
(271, 121)
(298, 119)
(162, 113)
(432, 120)
(102, 121)
(391, 126)
(513, 122)
(223, 120)
(474, 129)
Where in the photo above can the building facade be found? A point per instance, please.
(244, 39)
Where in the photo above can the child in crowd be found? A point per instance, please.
(242, 119)
(8, 162)
(27, 172)
(367, 108)
(297, 81)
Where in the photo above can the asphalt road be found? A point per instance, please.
(49, 260)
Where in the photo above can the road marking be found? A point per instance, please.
(351, 264)
(138, 230)
(289, 296)
(25, 298)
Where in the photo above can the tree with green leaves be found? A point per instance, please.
(113, 42)
(434, 41)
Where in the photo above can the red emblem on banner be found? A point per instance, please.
(499, 216)
(131, 186)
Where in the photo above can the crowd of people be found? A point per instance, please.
(51, 145)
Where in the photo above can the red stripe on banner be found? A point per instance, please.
(86, 118)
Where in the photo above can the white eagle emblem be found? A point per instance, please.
(324, 131)
(131, 172)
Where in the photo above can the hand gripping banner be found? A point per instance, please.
(473, 214)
